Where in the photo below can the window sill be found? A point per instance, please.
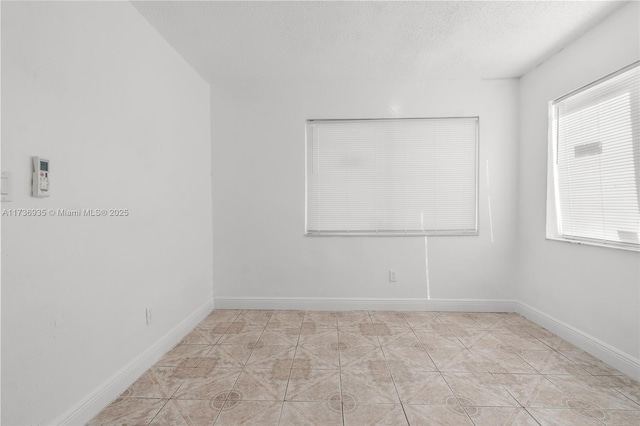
(390, 234)
(595, 243)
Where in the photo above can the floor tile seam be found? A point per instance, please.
(320, 401)
(459, 341)
(620, 409)
(602, 422)
(295, 351)
(380, 321)
(572, 362)
(179, 408)
(455, 396)
(536, 337)
(601, 374)
(551, 348)
(528, 363)
(569, 409)
(176, 389)
(628, 398)
(518, 406)
(142, 397)
(195, 344)
(281, 409)
(238, 377)
(321, 327)
(155, 382)
(425, 349)
(226, 400)
(182, 382)
(467, 413)
(205, 355)
(225, 330)
(539, 373)
(479, 406)
(595, 407)
(574, 409)
(158, 412)
(532, 416)
(314, 368)
(386, 364)
(393, 380)
(340, 374)
(506, 389)
(216, 367)
(515, 408)
(495, 379)
(248, 400)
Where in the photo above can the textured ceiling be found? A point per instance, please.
(381, 40)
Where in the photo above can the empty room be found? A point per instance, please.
(320, 213)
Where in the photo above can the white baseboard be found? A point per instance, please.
(88, 407)
(379, 304)
(619, 360)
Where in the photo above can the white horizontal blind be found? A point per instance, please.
(392, 177)
(598, 161)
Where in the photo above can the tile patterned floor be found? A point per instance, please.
(375, 368)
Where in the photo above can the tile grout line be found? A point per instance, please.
(523, 340)
(199, 362)
(241, 370)
(425, 351)
(156, 415)
(422, 344)
(194, 367)
(384, 355)
(531, 415)
(339, 366)
(166, 402)
(243, 366)
(286, 389)
(445, 380)
(628, 398)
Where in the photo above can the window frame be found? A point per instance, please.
(386, 233)
(553, 216)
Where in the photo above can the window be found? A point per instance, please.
(594, 163)
(392, 177)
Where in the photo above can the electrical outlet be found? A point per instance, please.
(149, 316)
(393, 275)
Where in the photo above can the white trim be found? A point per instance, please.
(601, 90)
(88, 407)
(321, 187)
(619, 360)
(91, 405)
(616, 358)
(606, 244)
(380, 304)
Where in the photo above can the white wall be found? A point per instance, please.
(258, 163)
(595, 290)
(125, 122)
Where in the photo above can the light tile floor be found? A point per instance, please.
(372, 367)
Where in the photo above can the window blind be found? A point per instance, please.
(392, 177)
(597, 161)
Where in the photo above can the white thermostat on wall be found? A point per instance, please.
(41, 175)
